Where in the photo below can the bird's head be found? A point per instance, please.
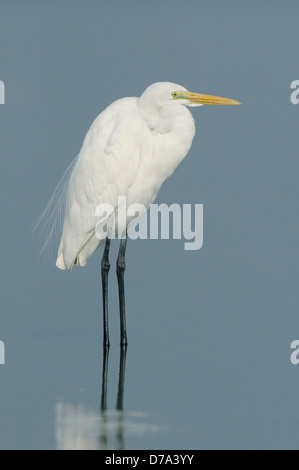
(163, 94)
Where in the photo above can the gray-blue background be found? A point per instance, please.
(208, 363)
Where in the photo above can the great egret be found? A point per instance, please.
(130, 150)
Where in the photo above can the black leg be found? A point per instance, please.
(105, 266)
(104, 378)
(121, 378)
(120, 398)
(104, 418)
(120, 270)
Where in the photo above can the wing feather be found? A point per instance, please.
(105, 169)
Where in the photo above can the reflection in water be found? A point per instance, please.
(81, 428)
(119, 424)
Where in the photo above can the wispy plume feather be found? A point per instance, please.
(50, 221)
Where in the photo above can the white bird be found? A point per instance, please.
(130, 150)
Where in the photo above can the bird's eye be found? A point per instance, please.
(174, 94)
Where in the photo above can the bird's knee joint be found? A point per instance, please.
(105, 265)
(120, 265)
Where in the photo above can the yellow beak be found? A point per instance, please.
(197, 98)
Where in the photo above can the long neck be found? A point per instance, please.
(174, 129)
(149, 111)
(163, 120)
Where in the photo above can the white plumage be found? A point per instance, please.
(130, 150)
